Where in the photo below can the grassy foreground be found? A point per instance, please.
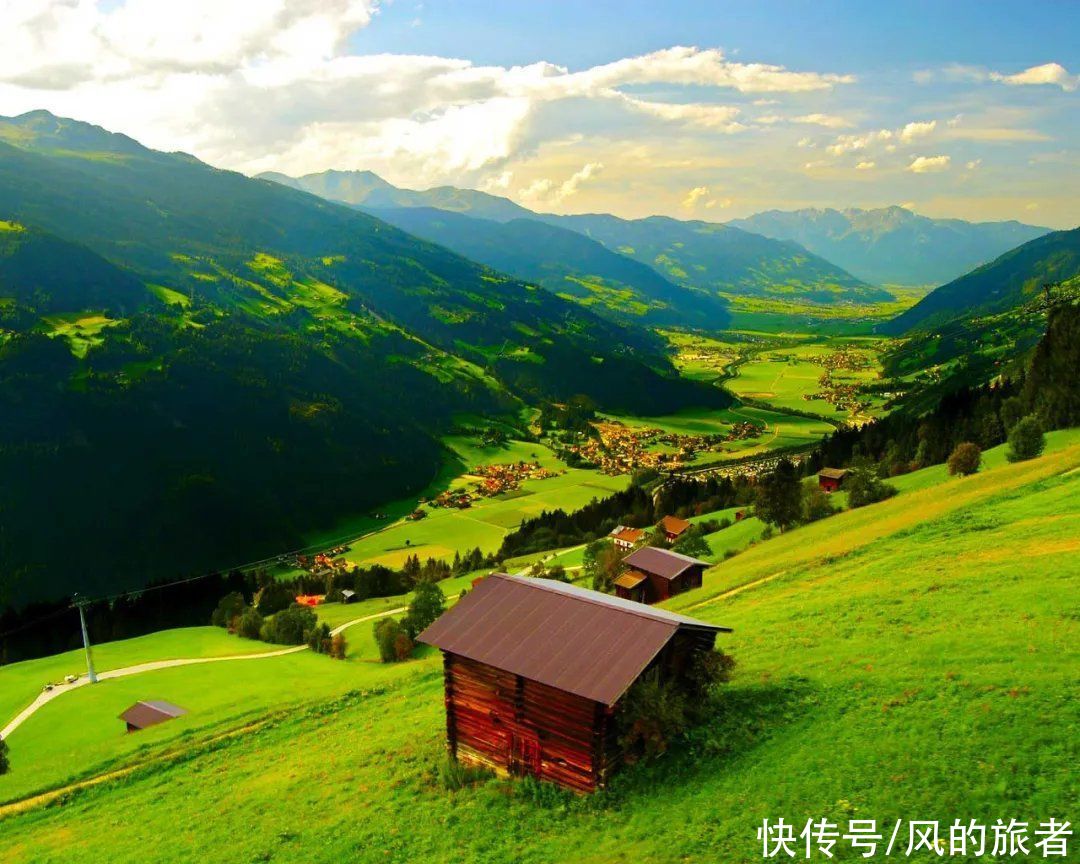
(916, 659)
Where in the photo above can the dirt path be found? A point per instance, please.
(47, 696)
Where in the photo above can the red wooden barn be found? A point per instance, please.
(653, 575)
(534, 671)
(673, 527)
(831, 479)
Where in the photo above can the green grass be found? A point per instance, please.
(81, 330)
(483, 525)
(914, 659)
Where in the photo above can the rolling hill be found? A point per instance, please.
(892, 245)
(701, 257)
(915, 631)
(567, 264)
(244, 361)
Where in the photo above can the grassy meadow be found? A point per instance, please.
(913, 659)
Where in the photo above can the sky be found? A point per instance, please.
(698, 110)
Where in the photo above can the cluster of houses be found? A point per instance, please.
(622, 449)
(492, 480)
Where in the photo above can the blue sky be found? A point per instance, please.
(691, 109)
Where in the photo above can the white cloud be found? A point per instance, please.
(694, 196)
(916, 130)
(830, 121)
(852, 143)
(1048, 73)
(866, 166)
(806, 142)
(928, 164)
(545, 191)
(973, 164)
(705, 115)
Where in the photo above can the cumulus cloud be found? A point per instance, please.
(929, 164)
(852, 143)
(273, 85)
(1048, 73)
(546, 191)
(917, 129)
(866, 166)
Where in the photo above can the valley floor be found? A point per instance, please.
(915, 659)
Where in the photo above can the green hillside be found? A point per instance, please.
(893, 245)
(726, 261)
(700, 256)
(199, 369)
(567, 264)
(908, 660)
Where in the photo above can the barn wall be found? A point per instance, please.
(491, 712)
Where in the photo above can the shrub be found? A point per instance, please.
(230, 607)
(865, 487)
(5, 762)
(274, 597)
(291, 626)
(693, 543)
(250, 624)
(428, 603)
(558, 573)
(393, 640)
(817, 504)
(964, 459)
(318, 638)
(1026, 440)
(338, 646)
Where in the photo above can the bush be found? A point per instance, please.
(558, 573)
(338, 646)
(250, 624)
(318, 638)
(693, 543)
(290, 626)
(230, 607)
(964, 459)
(274, 597)
(1026, 440)
(817, 504)
(865, 487)
(428, 603)
(393, 640)
(5, 763)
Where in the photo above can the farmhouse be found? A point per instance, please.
(831, 479)
(655, 574)
(626, 538)
(534, 672)
(673, 527)
(142, 715)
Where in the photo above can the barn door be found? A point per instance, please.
(525, 753)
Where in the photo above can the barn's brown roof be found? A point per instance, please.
(630, 579)
(151, 712)
(674, 525)
(590, 644)
(833, 473)
(628, 535)
(661, 562)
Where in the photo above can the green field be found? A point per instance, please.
(913, 659)
(484, 525)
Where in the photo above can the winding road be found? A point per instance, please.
(48, 695)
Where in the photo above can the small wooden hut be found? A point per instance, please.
(534, 672)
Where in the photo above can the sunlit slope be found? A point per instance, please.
(915, 659)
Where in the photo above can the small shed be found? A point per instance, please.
(664, 574)
(626, 538)
(673, 527)
(831, 479)
(534, 671)
(348, 596)
(142, 715)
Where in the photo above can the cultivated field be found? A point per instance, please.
(912, 660)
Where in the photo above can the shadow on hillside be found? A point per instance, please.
(741, 718)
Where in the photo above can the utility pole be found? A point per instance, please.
(81, 603)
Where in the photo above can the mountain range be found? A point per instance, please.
(245, 361)
(706, 260)
(892, 245)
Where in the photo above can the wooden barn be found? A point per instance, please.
(652, 575)
(626, 538)
(673, 527)
(534, 671)
(142, 715)
(831, 479)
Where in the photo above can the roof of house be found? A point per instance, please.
(661, 562)
(629, 535)
(150, 712)
(674, 525)
(833, 473)
(345, 592)
(630, 579)
(590, 644)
